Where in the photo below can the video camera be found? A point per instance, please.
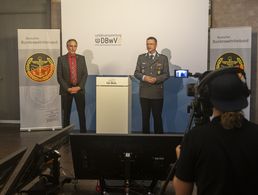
(200, 108)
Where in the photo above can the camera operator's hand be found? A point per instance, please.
(178, 150)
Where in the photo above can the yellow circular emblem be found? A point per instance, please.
(229, 60)
(39, 67)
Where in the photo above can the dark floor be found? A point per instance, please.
(11, 140)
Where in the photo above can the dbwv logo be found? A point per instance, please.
(108, 40)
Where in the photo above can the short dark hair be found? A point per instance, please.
(69, 40)
(152, 38)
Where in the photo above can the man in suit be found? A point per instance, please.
(72, 75)
(152, 70)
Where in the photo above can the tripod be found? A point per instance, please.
(194, 114)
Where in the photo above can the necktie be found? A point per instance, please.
(73, 71)
(151, 56)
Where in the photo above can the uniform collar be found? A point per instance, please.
(156, 54)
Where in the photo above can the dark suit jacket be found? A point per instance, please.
(63, 73)
(158, 68)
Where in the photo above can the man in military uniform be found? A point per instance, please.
(152, 70)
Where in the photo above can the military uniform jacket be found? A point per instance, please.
(157, 67)
(63, 73)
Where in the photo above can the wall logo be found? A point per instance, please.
(39, 67)
(229, 60)
(108, 39)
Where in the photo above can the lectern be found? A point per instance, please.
(113, 105)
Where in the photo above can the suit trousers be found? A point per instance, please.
(67, 100)
(155, 107)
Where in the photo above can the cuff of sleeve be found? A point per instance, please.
(143, 77)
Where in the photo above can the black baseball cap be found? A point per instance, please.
(228, 93)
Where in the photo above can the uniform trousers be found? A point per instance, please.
(155, 107)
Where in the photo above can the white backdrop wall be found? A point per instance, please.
(181, 27)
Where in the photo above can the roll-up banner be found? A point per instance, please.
(40, 103)
(231, 47)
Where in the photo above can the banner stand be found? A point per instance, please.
(40, 102)
(231, 47)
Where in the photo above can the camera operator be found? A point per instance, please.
(220, 157)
